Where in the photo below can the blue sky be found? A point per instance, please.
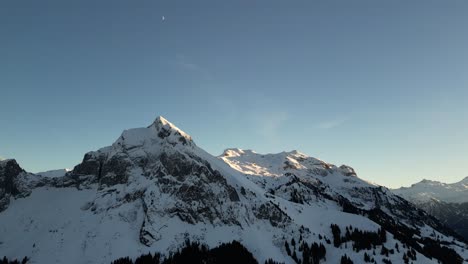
(378, 85)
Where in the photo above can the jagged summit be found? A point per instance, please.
(167, 129)
(151, 139)
(162, 120)
(5, 161)
(10, 164)
(156, 148)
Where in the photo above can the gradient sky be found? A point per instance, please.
(378, 85)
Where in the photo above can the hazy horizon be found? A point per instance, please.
(379, 86)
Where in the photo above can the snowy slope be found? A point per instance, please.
(153, 188)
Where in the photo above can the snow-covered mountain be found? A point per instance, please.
(154, 188)
(427, 190)
(447, 202)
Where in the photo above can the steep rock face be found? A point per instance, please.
(9, 171)
(14, 182)
(107, 171)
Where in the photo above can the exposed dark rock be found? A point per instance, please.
(347, 171)
(272, 213)
(178, 165)
(91, 165)
(10, 184)
(107, 172)
(233, 196)
(9, 170)
(146, 238)
(164, 133)
(114, 171)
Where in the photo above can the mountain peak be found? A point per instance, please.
(166, 129)
(8, 162)
(162, 120)
(3, 161)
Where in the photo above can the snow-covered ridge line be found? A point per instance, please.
(427, 190)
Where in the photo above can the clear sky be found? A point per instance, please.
(379, 85)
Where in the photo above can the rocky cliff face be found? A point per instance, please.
(14, 182)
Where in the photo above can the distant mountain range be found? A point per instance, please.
(447, 202)
(154, 189)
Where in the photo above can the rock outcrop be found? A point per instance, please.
(14, 182)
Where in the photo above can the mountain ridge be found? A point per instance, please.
(154, 188)
(427, 190)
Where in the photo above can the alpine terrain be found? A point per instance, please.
(154, 189)
(447, 202)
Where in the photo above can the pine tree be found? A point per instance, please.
(294, 256)
(346, 260)
(366, 257)
(288, 250)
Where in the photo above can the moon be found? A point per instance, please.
(163, 18)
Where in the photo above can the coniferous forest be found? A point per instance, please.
(299, 250)
(14, 261)
(196, 253)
